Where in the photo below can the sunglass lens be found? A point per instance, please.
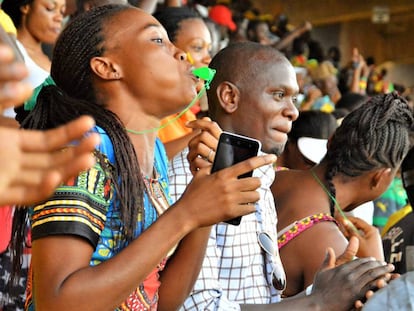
(279, 280)
(266, 243)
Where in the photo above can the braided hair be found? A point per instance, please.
(82, 39)
(375, 135)
(13, 9)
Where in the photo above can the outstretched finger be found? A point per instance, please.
(205, 124)
(55, 139)
(73, 168)
(350, 251)
(24, 194)
(248, 165)
(35, 177)
(63, 157)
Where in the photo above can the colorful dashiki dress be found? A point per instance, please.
(84, 206)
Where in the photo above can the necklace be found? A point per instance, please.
(156, 193)
(158, 197)
(336, 204)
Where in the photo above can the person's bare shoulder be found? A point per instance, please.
(291, 190)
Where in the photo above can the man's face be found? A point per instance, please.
(266, 108)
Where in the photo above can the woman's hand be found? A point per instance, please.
(370, 243)
(202, 147)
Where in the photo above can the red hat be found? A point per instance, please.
(222, 15)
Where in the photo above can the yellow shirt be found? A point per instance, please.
(7, 23)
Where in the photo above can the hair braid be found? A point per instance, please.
(329, 175)
(375, 135)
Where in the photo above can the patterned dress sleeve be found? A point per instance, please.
(78, 207)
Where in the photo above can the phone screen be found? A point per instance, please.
(233, 149)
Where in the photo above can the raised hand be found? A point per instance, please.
(33, 163)
(370, 243)
(347, 285)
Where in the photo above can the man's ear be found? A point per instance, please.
(380, 176)
(228, 95)
(104, 68)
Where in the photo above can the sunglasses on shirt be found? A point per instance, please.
(278, 275)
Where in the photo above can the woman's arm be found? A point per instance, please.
(64, 280)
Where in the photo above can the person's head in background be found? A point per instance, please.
(324, 75)
(37, 21)
(222, 15)
(307, 141)
(334, 56)
(258, 31)
(215, 35)
(371, 142)
(188, 32)
(264, 109)
(86, 5)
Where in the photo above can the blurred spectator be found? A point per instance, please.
(258, 31)
(334, 56)
(391, 201)
(223, 16)
(308, 92)
(398, 233)
(324, 76)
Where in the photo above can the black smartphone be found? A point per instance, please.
(232, 149)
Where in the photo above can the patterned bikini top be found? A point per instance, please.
(293, 230)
